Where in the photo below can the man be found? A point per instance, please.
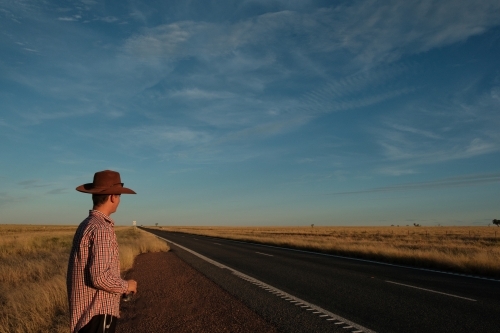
(93, 281)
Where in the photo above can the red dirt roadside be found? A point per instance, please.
(173, 297)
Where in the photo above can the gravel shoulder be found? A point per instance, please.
(174, 297)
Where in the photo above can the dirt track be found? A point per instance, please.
(173, 297)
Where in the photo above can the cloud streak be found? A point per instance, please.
(32, 183)
(465, 180)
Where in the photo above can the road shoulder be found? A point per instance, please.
(174, 297)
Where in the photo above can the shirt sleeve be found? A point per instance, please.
(104, 272)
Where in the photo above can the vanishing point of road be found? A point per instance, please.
(301, 291)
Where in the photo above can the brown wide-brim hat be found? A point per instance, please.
(105, 182)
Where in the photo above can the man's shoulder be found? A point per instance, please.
(95, 223)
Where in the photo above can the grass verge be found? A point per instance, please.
(469, 250)
(33, 264)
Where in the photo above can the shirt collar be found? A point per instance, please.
(104, 216)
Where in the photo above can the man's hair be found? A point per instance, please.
(99, 199)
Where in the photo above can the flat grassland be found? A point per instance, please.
(468, 250)
(33, 264)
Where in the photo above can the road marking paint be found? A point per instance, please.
(347, 327)
(331, 319)
(432, 291)
(264, 285)
(264, 254)
(323, 316)
(358, 259)
(310, 310)
(339, 323)
(316, 312)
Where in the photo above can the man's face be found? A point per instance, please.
(116, 201)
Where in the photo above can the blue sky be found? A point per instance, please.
(252, 112)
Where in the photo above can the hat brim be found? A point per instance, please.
(117, 189)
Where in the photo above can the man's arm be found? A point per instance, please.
(103, 272)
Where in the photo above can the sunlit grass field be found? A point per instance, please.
(468, 250)
(33, 264)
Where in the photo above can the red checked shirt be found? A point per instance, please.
(93, 281)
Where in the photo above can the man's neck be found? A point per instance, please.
(103, 210)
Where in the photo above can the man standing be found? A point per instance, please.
(93, 281)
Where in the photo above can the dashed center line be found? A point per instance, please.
(432, 291)
(265, 254)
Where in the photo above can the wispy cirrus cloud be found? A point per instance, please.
(57, 191)
(166, 136)
(455, 131)
(37, 117)
(372, 31)
(196, 93)
(32, 183)
(464, 180)
(418, 153)
(69, 18)
(6, 198)
(378, 32)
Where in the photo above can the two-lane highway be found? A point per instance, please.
(379, 297)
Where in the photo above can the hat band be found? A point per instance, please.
(105, 187)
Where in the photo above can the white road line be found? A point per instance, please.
(432, 291)
(363, 260)
(263, 285)
(265, 254)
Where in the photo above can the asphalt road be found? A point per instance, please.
(373, 296)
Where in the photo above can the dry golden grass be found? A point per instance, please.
(133, 241)
(470, 250)
(33, 264)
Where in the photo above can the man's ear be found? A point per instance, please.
(112, 198)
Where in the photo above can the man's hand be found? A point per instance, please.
(132, 286)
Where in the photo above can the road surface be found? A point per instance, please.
(300, 291)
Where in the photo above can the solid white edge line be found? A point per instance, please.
(249, 278)
(432, 291)
(358, 259)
